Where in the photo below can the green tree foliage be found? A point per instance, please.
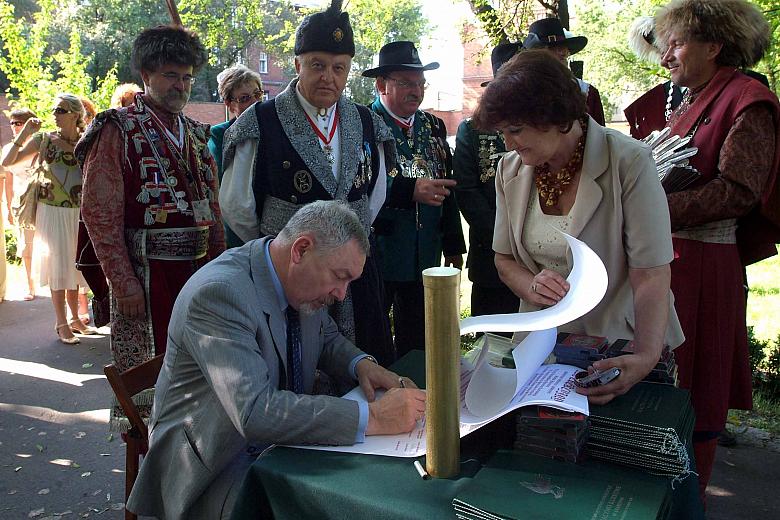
(35, 73)
(609, 63)
(375, 23)
(770, 65)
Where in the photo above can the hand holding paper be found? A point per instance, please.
(588, 281)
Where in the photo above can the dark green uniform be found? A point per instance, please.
(476, 160)
(412, 236)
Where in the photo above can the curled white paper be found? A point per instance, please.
(588, 281)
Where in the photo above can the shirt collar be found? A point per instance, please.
(310, 109)
(408, 120)
(281, 298)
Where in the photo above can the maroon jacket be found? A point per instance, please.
(727, 95)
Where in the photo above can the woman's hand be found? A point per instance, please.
(30, 127)
(546, 288)
(633, 368)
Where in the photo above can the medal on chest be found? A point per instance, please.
(325, 141)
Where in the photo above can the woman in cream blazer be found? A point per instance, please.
(565, 171)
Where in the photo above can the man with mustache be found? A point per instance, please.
(247, 333)
(150, 194)
(420, 218)
(310, 143)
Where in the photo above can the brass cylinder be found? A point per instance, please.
(442, 371)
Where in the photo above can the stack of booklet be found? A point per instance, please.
(647, 428)
(521, 485)
(552, 433)
(579, 350)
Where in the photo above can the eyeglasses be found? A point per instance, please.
(17, 123)
(187, 79)
(257, 95)
(59, 111)
(410, 84)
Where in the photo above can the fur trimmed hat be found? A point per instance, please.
(737, 24)
(327, 31)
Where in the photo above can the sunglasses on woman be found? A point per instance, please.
(17, 123)
(60, 111)
(257, 95)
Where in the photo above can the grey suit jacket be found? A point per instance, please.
(620, 212)
(218, 390)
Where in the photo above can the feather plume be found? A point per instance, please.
(335, 8)
(641, 37)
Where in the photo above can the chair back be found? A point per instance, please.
(130, 382)
(125, 385)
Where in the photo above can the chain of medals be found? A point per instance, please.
(326, 146)
(414, 145)
(488, 155)
(179, 152)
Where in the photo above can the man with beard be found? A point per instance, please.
(310, 143)
(247, 333)
(420, 219)
(150, 194)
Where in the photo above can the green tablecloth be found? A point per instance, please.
(289, 483)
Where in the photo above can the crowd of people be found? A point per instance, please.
(278, 256)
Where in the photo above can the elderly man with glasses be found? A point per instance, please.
(150, 194)
(420, 218)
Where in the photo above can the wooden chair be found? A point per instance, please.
(125, 385)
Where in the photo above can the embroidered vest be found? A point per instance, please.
(163, 187)
(283, 182)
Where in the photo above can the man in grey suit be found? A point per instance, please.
(237, 371)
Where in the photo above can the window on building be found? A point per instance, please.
(263, 63)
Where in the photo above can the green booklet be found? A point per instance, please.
(648, 405)
(520, 485)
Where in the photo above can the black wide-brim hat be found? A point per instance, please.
(327, 31)
(501, 54)
(548, 32)
(398, 56)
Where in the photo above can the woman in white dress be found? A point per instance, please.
(56, 224)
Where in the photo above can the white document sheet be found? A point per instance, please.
(488, 392)
(588, 281)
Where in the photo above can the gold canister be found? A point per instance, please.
(442, 371)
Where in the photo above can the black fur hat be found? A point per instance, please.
(327, 31)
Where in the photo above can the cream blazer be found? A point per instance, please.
(620, 212)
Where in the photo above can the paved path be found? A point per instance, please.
(56, 455)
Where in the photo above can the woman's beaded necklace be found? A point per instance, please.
(550, 185)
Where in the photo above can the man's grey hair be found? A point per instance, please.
(331, 223)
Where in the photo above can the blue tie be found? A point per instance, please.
(294, 363)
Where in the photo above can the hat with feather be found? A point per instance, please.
(326, 31)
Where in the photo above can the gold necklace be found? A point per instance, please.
(549, 184)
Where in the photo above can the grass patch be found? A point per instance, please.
(764, 415)
(763, 307)
(763, 315)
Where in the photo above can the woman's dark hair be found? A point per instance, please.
(167, 44)
(532, 88)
